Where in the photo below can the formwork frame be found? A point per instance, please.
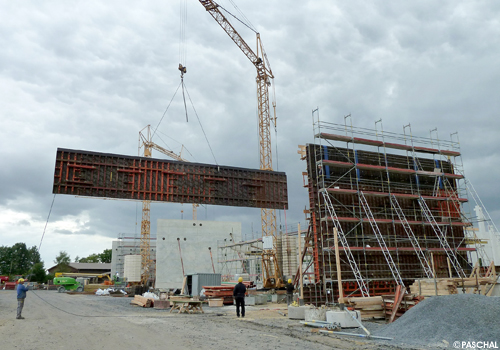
(396, 167)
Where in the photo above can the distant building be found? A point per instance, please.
(90, 268)
(127, 246)
(488, 241)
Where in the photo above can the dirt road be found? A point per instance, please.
(62, 321)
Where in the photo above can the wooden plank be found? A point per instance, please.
(400, 291)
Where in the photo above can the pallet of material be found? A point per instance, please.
(369, 307)
(142, 301)
(447, 286)
(429, 287)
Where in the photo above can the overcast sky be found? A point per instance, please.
(89, 75)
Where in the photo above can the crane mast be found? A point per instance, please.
(272, 273)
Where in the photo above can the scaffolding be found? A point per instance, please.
(397, 203)
(244, 258)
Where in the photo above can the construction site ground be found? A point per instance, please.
(59, 320)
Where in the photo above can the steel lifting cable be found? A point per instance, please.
(203, 130)
(164, 113)
(182, 32)
(249, 26)
(184, 97)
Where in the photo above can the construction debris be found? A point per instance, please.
(143, 301)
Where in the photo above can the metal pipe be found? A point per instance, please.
(356, 335)
(356, 319)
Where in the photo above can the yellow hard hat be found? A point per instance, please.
(21, 280)
(240, 279)
(289, 280)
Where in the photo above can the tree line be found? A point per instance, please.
(20, 260)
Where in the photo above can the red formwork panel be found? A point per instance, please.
(93, 174)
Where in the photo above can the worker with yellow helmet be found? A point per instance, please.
(289, 292)
(239, 292)
(21, 296)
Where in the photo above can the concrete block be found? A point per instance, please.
(250, 300)
(313, 314)
(344, 319)
(297, 312)
(260, 299)
(276, 298)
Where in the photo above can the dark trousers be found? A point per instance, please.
(289, 299)
(240, 303)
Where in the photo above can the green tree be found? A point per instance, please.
(105, 256)
(92, 258)
(5, 260)
(62, 260)
(38, 273)
(18, 259)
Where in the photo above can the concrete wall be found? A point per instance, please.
(195, 238)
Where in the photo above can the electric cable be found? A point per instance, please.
(106, 316)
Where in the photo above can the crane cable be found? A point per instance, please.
(164, 113)
(249, 25)
(182, 32)
(201, 126)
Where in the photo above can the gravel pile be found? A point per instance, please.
(443, 320)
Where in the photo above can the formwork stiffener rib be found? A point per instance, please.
(362, 166)
(442, 239)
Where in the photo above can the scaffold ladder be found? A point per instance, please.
(442, 239)
(414, 242)
(380, 239)
(343, 240)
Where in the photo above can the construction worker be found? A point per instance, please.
(289, 292)
(239, 296)
(21, 295)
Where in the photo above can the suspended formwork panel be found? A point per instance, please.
(94, 174)
(397, 208)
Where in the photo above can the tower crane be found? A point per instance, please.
(146, 260)
(272, 276)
